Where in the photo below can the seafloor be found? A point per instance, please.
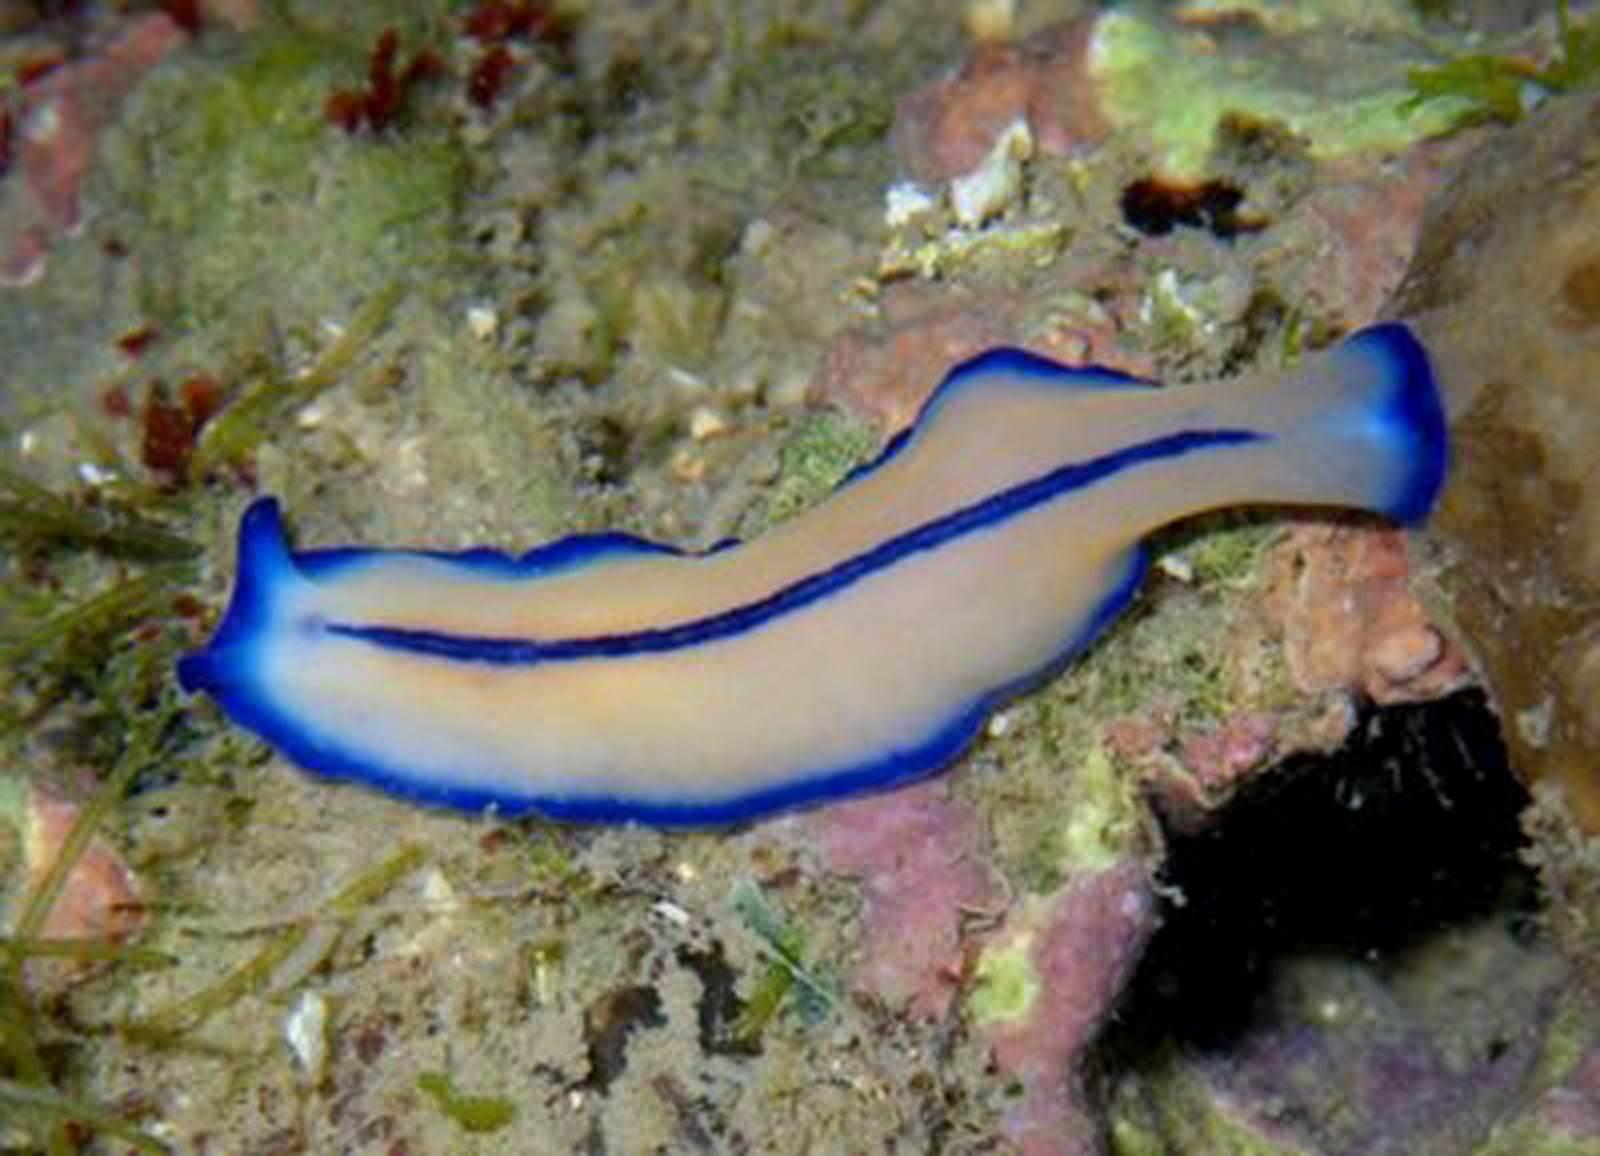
(1294, 860)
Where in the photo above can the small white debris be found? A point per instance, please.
(1176, 567)
(988, 189)
(94, 474)
(990, 21)
(436, 889)
(686, 465)
(482, 322)
(44, 126)
(685, 379)
(305, 1029)
(758, 238)
(999, 723)
(706, 423)
(671, 912)
(1533, 723)
(905, 202)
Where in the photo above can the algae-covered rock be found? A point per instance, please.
(1173, 84)
(1505, 290)
(237, 195)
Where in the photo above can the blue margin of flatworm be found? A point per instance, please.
(1411, 415)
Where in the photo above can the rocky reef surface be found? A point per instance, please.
(1505, 288)
(1258, 874)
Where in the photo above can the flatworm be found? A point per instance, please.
(858, 646)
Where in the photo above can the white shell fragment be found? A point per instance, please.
(990, 188)
(305, 1030)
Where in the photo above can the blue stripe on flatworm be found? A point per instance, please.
(994, 509)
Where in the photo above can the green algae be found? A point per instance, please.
(789, 979)
(1223, 550)
(1480, 86)
(300, 219)
(1052, 823)
(29, 1090)
(676, 319)
(818, 453)
(1182, 1118)
(544, 961)
(1567, 1043)
(473, 1113)
(167, 1024)
(1004, 983)
(1060, 801)
(1108, 818)
(799, 101)
(86, 951)
(35, 517)
(78, 634)
(45, 1108)
(1173, 86)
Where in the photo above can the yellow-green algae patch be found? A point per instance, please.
(474, 1113)
(819, 452)
(1173, 85)
(1005, 982)
(1182, 1118)
(1098, 835)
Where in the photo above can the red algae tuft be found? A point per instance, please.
(135, 341)
(169, 428)
(489, 75)
(376, 106)
(493, 23)
(186, 14)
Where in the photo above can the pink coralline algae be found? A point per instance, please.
(1347, 1062)
(1571, 1109)
(100, 899)
(1363, 222)
(1081, 945)
(887, 374)
(923, 875)
(58, 119)
(946, 128)
(886, 371)
(1218, 756)
(1350, 621)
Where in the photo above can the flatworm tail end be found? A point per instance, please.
(1409, 415)
(264, 565)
